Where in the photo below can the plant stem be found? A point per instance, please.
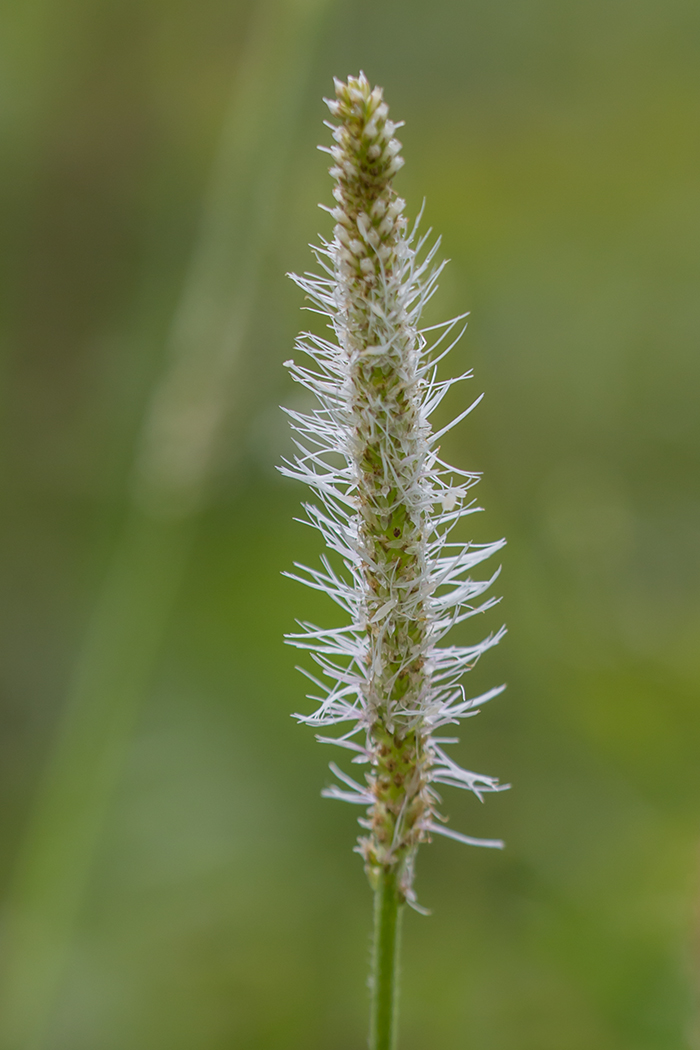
(384, 977)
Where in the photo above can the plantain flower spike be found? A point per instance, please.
(386, 506)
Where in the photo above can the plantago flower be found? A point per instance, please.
(386, 506)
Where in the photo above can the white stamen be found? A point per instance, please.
(387, 503)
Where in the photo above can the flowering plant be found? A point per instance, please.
(387, 506)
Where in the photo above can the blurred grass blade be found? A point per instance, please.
(171, 470)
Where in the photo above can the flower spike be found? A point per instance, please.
(386, 505)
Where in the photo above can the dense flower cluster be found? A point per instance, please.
(387, 504)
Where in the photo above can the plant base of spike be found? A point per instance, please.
(384, 976)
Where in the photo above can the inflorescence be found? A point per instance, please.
(388, 504)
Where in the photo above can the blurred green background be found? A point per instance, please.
(172, 878)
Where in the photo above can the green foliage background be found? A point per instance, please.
(556, 145)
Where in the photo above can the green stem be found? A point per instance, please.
(384, 977)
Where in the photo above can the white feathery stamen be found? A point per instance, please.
(387, 503)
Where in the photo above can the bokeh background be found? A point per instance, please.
(172, 879)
